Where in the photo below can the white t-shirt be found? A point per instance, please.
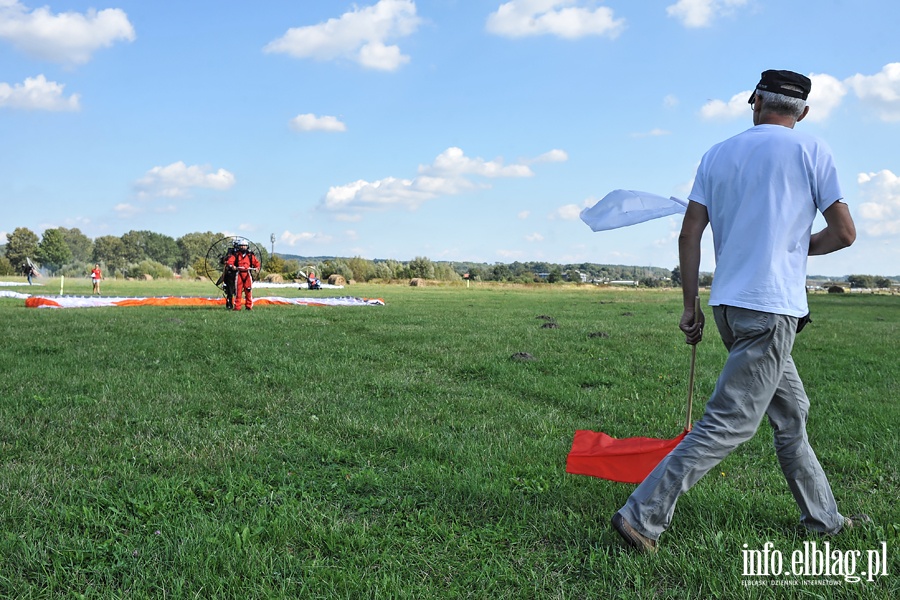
(761, 189)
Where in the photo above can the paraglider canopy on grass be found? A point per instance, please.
(95, 301)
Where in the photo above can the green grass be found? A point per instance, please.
(400, 452)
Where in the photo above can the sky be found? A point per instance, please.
(458, 130)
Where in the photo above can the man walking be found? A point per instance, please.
(760, 191)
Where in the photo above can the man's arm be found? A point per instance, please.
(839, 231)
(696, 218)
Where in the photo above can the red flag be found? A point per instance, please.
(628, 460)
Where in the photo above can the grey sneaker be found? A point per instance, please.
(631, 536)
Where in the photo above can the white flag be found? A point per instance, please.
(621, 208)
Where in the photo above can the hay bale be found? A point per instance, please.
(148, 277)
(335, 279)
(274, 278)
(417, 282)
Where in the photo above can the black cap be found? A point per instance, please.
(775, 82)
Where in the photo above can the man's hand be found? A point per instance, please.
(692, 325)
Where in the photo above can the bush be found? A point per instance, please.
(148, 267)
(383, 271)
(445, 272)
(191, 273)
(77, 269)
(335, 267)
(279, 266)
(421, 267)
(835, 289)
(362, 269)
(652, 282)
(6, 267)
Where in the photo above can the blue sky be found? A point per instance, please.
(465, 130)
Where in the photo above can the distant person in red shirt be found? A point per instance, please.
(242, 262)
(96, 276)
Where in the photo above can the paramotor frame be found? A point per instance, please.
(217, 255)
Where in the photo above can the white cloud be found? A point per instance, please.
(701, 13)
(310, 122)
(553, 156)
(534, 237)
(453, 162)
(68, 38)
(563, 18)
(451, 173)
(524, 214)
(880, 91)
(376, 55)
(719, 110)
(359, 35)
(387, 192)
(670, 101)
(125, 210)
(826, 94)
(568, 212)
(36, 93)
(572, 212)
(880, 212)
(304, 237)
(177, 179)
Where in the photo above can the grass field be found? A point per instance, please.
(400, 452)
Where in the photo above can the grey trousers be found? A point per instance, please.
(759, 378)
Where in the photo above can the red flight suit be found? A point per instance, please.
(242, 261)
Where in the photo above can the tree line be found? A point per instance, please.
(69, 252)
(422, 267)
(136, 254)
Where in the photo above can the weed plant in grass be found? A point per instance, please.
(400, 451)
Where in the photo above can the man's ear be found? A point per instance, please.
(805, 112)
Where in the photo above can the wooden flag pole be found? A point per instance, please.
(690, 399)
